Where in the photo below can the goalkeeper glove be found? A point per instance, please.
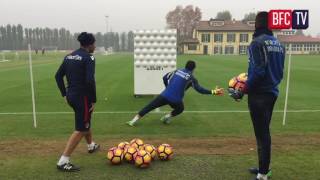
(217, 91)
(237, 95)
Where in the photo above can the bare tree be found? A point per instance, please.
(224, 15)
(250, 16)
(184, 20)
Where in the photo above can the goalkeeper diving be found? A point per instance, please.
(176, 83)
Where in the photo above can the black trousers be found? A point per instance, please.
(261, 108)
(161, 101)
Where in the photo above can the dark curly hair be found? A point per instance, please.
(190, 65)
(86, 39)
(262, 20)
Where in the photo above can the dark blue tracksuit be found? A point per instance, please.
(265, 72)
(79, 69)
(176, 82)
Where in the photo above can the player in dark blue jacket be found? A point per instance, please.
(79, 69)
(176, 82)
(265, 72)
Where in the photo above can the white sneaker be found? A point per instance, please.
(94, 148)
(262, 177)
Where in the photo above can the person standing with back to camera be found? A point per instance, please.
(265, 72)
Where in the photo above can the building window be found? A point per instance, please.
(244, 38)
(217, 50)
(231, 37)
(218, 37)
(299, 47)
(307, 47)
(205, 38)
(192, 47)
(243, 49)
(313, 47)
(216, 23)
(287, 47)
(229, 50)
(294, 47)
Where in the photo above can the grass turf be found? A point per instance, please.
(114, 76)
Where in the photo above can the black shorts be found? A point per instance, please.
(81, 106)
(161, 101)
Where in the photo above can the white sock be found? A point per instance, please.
(135, 119)
(168, 115)
(90, 146)
(63, 159)
(262, 176)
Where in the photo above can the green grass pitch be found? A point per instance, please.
(210, 139)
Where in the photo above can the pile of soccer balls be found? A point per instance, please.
(138, 153)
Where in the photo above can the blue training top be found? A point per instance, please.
(177, 82)
(79, 69)
(266, 63)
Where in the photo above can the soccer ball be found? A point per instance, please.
(165, 152)
(129, 153)
(151, 149)
(238, 82)
(138, 143)
(123, 145)
(142, 159)
(115, 155)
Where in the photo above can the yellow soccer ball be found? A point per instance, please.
(151, 150)
(165, 152)
(129, 154)
(238, 82)
(115, 155)
(243, 77)
(138, 143)
(142, 159)
(123, 145)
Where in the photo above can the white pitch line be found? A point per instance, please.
(133, 112)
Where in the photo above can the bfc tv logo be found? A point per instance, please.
(288, 19)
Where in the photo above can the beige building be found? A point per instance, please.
(216, 37)
(220, 37)
(300, 44)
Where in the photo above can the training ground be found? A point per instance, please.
(213, 139)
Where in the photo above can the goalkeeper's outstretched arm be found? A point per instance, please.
(216, 92)
(198, 88)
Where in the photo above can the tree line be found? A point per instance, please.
(16, 37)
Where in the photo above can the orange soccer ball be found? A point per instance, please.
(238, 82)
(142, 159)
(165, 152)
(138, 143)
(123, 145)
(129, 154)
(151, 150)
(115, 155)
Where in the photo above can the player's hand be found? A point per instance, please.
(91, 108)
(237, 95)
(218, 91)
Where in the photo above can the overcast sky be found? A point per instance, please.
(125, 15)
